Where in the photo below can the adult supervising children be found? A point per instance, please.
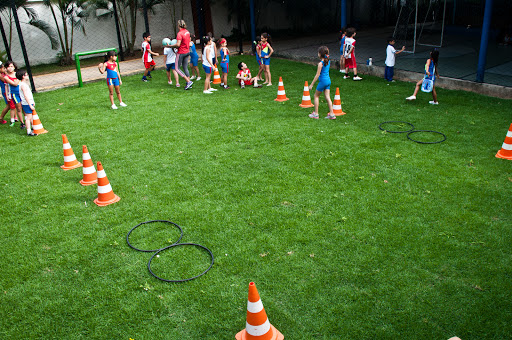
(183, 55)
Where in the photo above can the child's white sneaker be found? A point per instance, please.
(433, 102)
(207, 92)
(198, 78)
(346, 77)
(313, 115)
(169, 82)
(114, 107)
(193, 77)
(122, 104)
(357, 78)
(411, 98)
(343, 71)
(212, 89)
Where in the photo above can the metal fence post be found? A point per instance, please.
(6, 44)
(484, 41)
(22, 43)
(119, 41)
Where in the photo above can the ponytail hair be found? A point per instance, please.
(205, 40)
(435, 56)
(323, 51)
(268, 37)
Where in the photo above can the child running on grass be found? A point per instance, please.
(224, 62)
(170, 65)
(324, 83)
(266, 52)
(194, 59)
(147, 56)
(430, 76)
(244, 77)
(208, 66)
(13, 93)
(349, 54)
(113, 78)
(27, 100)
(4, 82)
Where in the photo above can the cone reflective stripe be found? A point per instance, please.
(336, 104)
(106, 195)
(37, 126)
(70, 161)
(257, 326)
(306, 98)
(506, 148)
(216, 77)
(89, 172)
(281, 95)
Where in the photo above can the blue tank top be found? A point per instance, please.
(431, 70)
(324, 74)
(222, 56)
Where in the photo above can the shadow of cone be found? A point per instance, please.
(70, 161)
(306, 98)
(281, 94)
(216, 77)
(89, 172)
(106, 195)
(336, 104)
(257, 326)
(37, 126)
(506, 148)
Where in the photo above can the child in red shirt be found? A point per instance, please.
(244, 76)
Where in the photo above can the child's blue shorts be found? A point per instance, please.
(265, 61)
(113, 81)
(323, 85)
(16, 98)
(170, 66)
(224, 67)
(207, 69)
(194, 58)
(26, 109)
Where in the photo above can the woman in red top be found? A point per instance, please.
(183, 55)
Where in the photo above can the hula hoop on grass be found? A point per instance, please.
(396, 121)
(417, 141)
(175, 245)
(153, 250)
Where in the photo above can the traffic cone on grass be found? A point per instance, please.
(336, 104)
(70, 161)
(37, 127)
(216, 77)
(281, 95)
(89, 172)
(257, 326)
(506, 148)
(306, 98)
(106, 195)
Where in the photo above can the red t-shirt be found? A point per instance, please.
(184, 36)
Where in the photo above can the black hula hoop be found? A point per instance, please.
(175, 245)
(150, 251)
(396, 121)
(417, 141)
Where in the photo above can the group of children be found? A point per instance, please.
(18, 96)
(264, 50)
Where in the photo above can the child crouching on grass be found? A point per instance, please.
(27, 100)
(244, 77)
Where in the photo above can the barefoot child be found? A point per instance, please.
(324, 83)
(113, 78)
(266, 52)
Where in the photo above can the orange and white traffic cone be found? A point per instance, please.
(89, 172)
(506, 148)
(216, 77)
(306, 98)
(106, 195)
(257, 326)
(281, 95)
(37, 127)
(336, 104)
(70, 161)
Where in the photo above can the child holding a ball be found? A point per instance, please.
(170, 60)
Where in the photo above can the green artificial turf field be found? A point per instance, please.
(349, 232)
